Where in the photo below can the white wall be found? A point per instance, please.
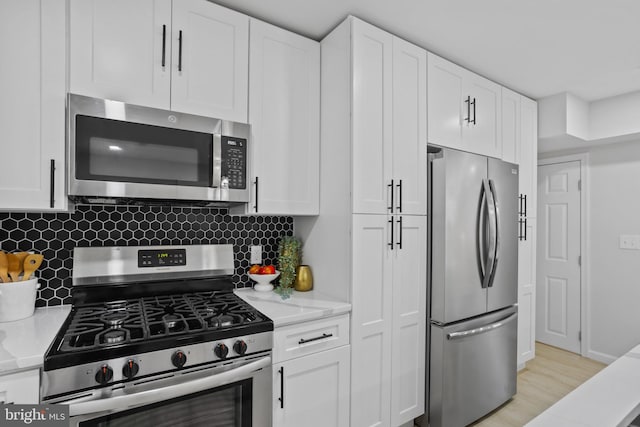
(614, 289)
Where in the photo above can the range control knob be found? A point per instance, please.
(179, 359)
(221, 351)
(130, 369)
(240, 347)
(104, 374)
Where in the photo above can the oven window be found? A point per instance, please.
(227, 406)
(113, 150)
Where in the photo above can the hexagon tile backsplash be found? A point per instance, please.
(56, 234)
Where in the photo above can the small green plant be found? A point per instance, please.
(289, 258)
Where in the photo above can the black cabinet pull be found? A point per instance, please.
(400, 232)
(400, 196)
(468, 102)
(52, 184)
(525, 229)
(520, 229)
(281, 398)
(255, 207)
(520, 210)
(180, 50)
(525, 205)
(474, 111)
(164, 45)
(390, 222)
(323, 336)
(390, 206)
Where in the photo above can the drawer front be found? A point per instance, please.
(22, 387)
(310, 337)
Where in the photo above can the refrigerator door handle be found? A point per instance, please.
(482, 239)
(496, 234)
(482, 329)
(487, 265)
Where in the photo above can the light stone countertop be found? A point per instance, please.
(611, 398)
(300, 307)
(23, 343)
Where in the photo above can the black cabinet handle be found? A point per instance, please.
(281, 398)
(400, 196)
(468, 102)
(255, 207)
(52, 184)
(390, 222)
(400, 232)
(180, 50)
(525, 205)
(164, 45)
(390, 206)
(474, 111)
(525, 229)
(323, 336)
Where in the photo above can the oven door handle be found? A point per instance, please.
(158, 395)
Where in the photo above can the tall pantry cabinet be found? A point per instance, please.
(369, 242)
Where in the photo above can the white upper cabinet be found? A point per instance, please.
(464, 109)
(371, 118)
(210, 64)
(409, 128)
(32, 106)
(528, 156)
(389, 137)
(189, 55)
(284, 113)
(116, 49)
(510, 126)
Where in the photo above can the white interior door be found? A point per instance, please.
(558, 266)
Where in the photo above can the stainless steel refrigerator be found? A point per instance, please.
(473, 274)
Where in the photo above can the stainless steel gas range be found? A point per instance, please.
(156, 336)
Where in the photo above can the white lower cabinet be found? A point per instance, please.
(22, 387)
(312, 390)
(527, 292)
(311, 373)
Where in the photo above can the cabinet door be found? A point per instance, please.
(371, 320)
(409, 319)
(527, 294)
(529, 154)
(210, 54)
(116, 50)
(285, 120)
(312, 391)
(21, 388)
(510, 126)
(409, 127)
(482, 134)
(371, 118)
(32, 107)
(444, 95)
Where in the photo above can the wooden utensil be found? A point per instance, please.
(15, 268)
(31, 264)
(4, 265)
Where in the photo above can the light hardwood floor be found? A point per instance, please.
(552, 374)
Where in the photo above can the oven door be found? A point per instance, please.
(232, 395)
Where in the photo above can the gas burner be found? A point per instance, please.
(225, 320)
(114, 318)
(171, 320)
(114, 336)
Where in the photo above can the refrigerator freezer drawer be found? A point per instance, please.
(473, 367)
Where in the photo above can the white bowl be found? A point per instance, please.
(263, 281)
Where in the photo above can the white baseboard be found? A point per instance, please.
(601, 357)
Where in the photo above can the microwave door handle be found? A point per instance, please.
(217, 160)
(118, 403)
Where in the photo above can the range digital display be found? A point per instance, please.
(162, 257)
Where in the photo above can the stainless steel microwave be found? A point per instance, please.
(122, 151)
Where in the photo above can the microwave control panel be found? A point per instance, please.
(162, 257)
(234, 161)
